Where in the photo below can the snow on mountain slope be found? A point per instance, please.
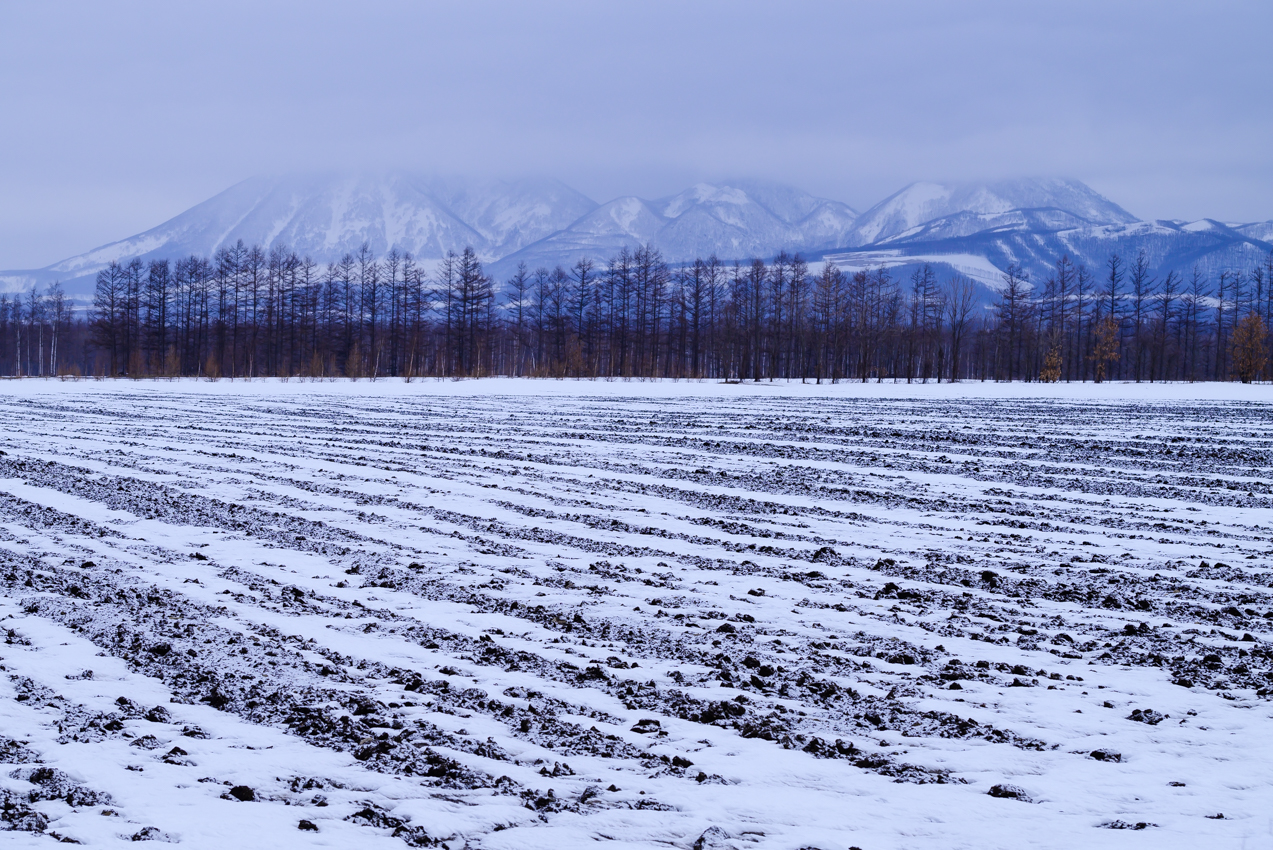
(738, 220)
(1262, 230)
(511, 215)
(546, 223)
(1207, 246)
(968, 223)
(982, 245)
(627, 221)
(749, 199)
(539, 221)
(325, 216)
(975, 266)
(922, 202)
(627, 218)
(745, 219)
(828, 224)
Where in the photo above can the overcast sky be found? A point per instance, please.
(117, 116)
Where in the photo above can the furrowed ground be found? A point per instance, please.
(500, 619)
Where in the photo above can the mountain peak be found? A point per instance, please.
(923, 202)
(737, 219)
(325, 215)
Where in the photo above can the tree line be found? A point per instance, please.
(250, 312)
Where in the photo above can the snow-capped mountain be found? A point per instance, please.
(1262, 230)
(539, 222)
(734, 220)
(325, 216)
(975, 229)
(920, 203)
(981, 246)
(979, 229)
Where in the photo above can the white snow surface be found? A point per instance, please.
(525, 614)
(976, 267)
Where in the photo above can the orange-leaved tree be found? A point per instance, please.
(1247, 352)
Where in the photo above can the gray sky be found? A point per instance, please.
(117, 116)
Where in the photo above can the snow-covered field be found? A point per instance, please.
(516, 615)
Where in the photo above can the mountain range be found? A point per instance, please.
(973, 228)
(980, 229)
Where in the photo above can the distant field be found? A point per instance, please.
(515, 614)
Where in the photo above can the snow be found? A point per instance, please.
(733, 221)
(628, 212)
(909, 208)
(701, 193)
(1201, 226)
(923, 202)
(976, 267)
(17, 282)
(267, 388)
(326, 215)
(402, 612)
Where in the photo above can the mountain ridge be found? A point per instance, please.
(734, 220)
(970, 228)
(921, 202)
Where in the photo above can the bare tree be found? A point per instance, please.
(1013, 315)
(960, 298)
(1142, 285)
